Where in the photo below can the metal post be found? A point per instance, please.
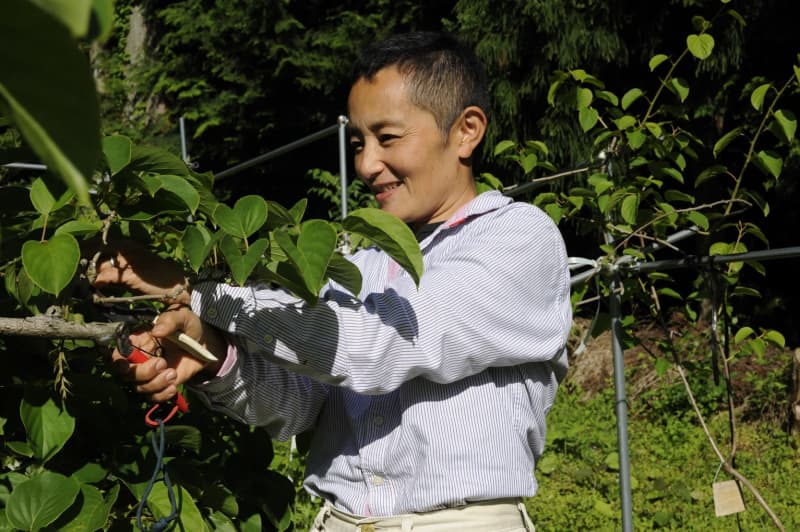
(184, 154)
(621, 404)
(343, 162)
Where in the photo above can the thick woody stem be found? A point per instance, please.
(56, 327)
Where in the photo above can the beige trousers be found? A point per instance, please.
(507, 515)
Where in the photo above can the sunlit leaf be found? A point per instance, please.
(758, 95)
(51, 264)
(625, 122)
(770, 162)
(246, 217)
(94, 510)
(583, 97)
(775, 338)
(242, 264)
(391, 235)
(656, 60)
(726, 139)
(630, 208)
(699, 219)
(588, 117)
(74, 14)
(43, 201)
(197, 243)
(630, 97)
(700, 46)
(503, 146)
(680, 88)
(787, 122)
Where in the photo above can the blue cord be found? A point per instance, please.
(164, 522)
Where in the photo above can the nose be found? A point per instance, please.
(368, 161)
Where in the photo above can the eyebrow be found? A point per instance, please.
(374, 127)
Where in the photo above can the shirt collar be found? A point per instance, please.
(479, 205)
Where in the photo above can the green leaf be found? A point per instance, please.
(631, 96)
(680, 88)
(788, 124)
(529, 162)
(345, 273)
(698, 219)
(630, 208)
(43, 201)
(48, 426)
(656, 60)
(246, 217)
(90, 473)
(583, 97)
(311, 253)
(37, 502)
(189, 517)
(118, 151)
(588, 117)
(80, 227)
(701, 45)
(708, 173)
(48, 92)
(742, 334)
(22, 448)
(51, 264)
(669, 292)
(625, 122)
(390, 234)
(154, 160)
(94, 510)
(242, 265)
(726, 139)
(612, 461)
(758, 95)
(197, 243)
(775, 338)
(636, 138)
(180, 191)
(74, 14)
(604, 509)
(503, 146)
(608, 96)
(770, 162)
(102, 20)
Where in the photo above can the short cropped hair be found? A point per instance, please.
(444, 76)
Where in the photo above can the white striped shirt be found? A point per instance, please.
(421, 398)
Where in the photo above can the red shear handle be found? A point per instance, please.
(137, 357)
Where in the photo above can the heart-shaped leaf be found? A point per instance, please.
(246, 217)
(787, 123)
(150, 159)
(118, 150)
(242, 265)
(51, 264)
(701, 45)
(588, 117)
(311, 253)
(390, 234)
(48, 91)
(37, 502)
(770, 162)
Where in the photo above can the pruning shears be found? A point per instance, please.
(136, 355)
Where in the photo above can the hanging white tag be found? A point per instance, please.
(727, 498)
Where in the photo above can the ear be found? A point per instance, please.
(468, 130)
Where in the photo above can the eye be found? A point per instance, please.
(385, 138)
(356, 145)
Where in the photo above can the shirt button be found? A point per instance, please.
(366, 528)
(377, 480)
(268, 338)
(211, 313)
(378, 421)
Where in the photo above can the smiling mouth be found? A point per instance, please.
(384, 191)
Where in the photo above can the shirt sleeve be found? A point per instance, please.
(497, 294)
(256, 392)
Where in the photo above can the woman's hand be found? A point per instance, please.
(158, 377)
(132, 265)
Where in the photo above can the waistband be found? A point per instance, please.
(484, 516)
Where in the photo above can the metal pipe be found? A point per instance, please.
(343, 162)
(26, 166)
(621, 404)
(693, 261)
(184, 154)
(277, 152)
